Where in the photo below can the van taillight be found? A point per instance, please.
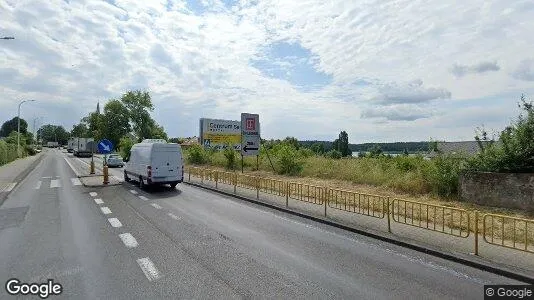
(149, 171)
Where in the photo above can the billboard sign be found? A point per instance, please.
(250, 134)
(218, 134)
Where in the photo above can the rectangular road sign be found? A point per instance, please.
(250, 134)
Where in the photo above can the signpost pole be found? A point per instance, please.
(92, 160)
(241, 163)
(257, 162)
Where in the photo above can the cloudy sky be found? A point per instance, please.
(404, 70)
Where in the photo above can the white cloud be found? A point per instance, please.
(70, 55)
(482, 67)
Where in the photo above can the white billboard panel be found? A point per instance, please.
(218, 134)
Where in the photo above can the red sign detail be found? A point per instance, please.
(250, 124)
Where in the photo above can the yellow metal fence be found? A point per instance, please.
(497, 230)
(509, 232)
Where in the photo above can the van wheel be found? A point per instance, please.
(126, 178)
(141, 183)
(174, 184)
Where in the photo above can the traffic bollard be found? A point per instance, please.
(106, 175)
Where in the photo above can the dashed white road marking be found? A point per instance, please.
(105, 210)
(156, 206)
(10, 187)
(75, 181)
(55, 183)
(148, 268)
(143, 198)
(38, 185)
(99, 201)
(93, 194)
(133, 192)
(128, 240)
(46, 177)
(173, 216)
(115, 222)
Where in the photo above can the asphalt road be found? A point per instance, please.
(120, 242)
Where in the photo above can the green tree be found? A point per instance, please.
(139, 105)
(343, 144)
(79, 130)
(177, 140)
(125, 146)
(114, 124)
(53, 133)
(157, 132)
(318, 148)
(11, 125)
(94, 125)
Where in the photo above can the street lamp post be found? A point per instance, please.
(18, 126)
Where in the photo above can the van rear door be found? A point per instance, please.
(166, 162)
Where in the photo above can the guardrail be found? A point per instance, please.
(306, 193)
(497, 230)
(509, 232)
(444, 219)
(359, 203)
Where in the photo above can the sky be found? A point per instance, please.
(383, 71)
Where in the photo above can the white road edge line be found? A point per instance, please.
(173, 216)
(38, 185)
(75, 181)
(10, 187)
(115, 222)
(148, 268)
(93, 194)
(143, 198)
(157, 206)
(105, 210)
(128, 240)
(133, 192)
(99, 201)
(70, 165)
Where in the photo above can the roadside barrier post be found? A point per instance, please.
(92, 168)
(258, 187)
(106, 175)
(287, 194)
(189, 174)
(202, 176)
(476, 232)
(325, 199)
(235, 183)
(216, 178)
(388, 213)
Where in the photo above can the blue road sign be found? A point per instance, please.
(105, 146)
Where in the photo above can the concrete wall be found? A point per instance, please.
(507, 190)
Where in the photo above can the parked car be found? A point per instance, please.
(115, 160)
(155, 162)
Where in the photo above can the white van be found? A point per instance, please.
(155, 162)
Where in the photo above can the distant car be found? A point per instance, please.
(115, 160)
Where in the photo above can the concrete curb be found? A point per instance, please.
(22, 175)
(499, 270)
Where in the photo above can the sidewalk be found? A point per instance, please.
(14, 172)
(499, 257)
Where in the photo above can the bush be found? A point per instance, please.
(334, 154)
(306, 152)
(443, 175)
(515, 152)
(30, 150)
(289, 160)
(231, 158)
(8, 152)
(197, 155)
